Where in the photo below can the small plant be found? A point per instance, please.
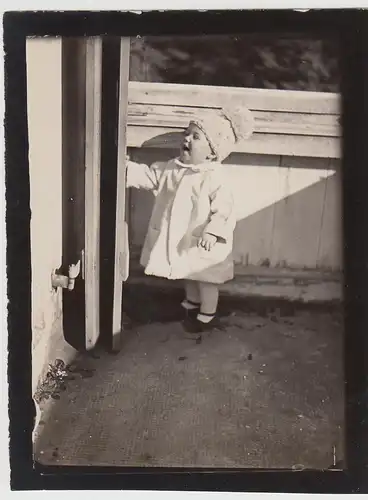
(53, 383)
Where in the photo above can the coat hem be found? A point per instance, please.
(189, 277)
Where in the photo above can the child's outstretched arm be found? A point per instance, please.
(141, 176)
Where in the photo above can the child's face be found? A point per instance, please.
(195, 148)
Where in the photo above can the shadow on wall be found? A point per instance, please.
(287, 216)
(299, 231)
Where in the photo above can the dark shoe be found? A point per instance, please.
(191, 313)
(194, 326)
(214, 324)
(190, 324)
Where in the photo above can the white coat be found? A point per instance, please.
(189, 199)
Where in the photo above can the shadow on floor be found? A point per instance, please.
(145, 303)
(267, 392)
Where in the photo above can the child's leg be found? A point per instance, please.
(209, 295)
(192, 297)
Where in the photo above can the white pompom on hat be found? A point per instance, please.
(228, 127)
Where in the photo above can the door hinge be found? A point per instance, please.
(59, 280)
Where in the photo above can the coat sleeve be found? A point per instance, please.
(222, 218)
(142, 176)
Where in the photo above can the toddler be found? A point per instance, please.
(190, 234)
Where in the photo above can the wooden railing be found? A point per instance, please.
(289, 123)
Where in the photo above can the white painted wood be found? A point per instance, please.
(307, 288)
(260, 99)
(298, 218)
(92, 188)
(121, 265)
(309, 163)
(260, 190)
(253, 238)
(273, 144)
(254, 159)
(44, 115)
(141, 201)
(292, 123)
(330, 238)
(297, 134)
(256, 193)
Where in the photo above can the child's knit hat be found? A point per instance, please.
(224, 130)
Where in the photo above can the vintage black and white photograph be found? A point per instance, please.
(186, 250)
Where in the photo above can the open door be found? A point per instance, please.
(91, 267)
(85, 138)
(79, 275)
(121, 263)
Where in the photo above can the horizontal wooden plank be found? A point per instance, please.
(297, 123)
(254, 99)
(288, 123)
(253, 159)
(273, 144)
(276, 122)
(247, 159)
(315, 163)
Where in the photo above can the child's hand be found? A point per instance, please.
(207, 241)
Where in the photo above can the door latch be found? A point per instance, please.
(68, 282)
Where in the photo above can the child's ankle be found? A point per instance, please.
(190, 305)
(205, 317)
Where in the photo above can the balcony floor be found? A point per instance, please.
(266, 391)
